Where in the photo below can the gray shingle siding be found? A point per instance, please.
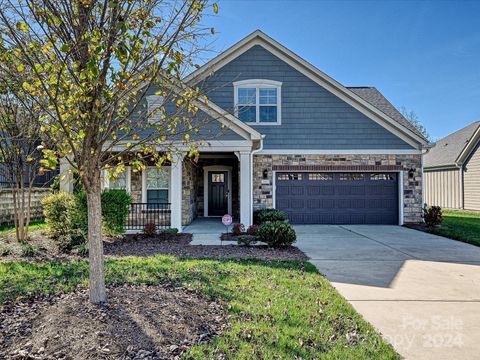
(209, 128)
(312, 117)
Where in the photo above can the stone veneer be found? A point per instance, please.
(136, 186)
(189, 191)
(412, 186)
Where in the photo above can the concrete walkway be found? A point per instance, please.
(207, 231)
(421, 291)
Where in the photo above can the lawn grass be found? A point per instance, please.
(460, 225)
(279, 310)
(34, 225)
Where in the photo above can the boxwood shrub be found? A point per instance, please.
(115, 204)
(277, 233)
(67, 216)
(264, 215)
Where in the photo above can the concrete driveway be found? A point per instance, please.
(421, 291)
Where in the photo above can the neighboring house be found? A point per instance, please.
(296, 140)
(452, 170)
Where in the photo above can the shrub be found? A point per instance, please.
(57, 208)
(115, 204)
(79, 214)
(171, 231)
(238, 229)
(252, 230)
(27, 249)
(277, 233)
(81, 250)
(432, 215)
(150, 229)
(5, 250)
(264, 215)
(66, 217)
(246, 240)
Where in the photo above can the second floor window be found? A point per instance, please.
(258, 101)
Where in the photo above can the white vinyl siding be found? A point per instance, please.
(471, 178)
(443, 188)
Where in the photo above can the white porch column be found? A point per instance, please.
(176, 192)
(245, 189)
(66, 176)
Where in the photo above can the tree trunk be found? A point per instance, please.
(95, 241)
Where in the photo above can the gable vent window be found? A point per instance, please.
(258, 101)
(155, 107)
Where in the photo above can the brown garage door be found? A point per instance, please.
(338, 198)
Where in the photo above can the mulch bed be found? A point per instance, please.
(142, 245)
(179, 245)
(139, 322)
(229, 237)
(419, 227)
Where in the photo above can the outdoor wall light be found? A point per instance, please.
(265, 173)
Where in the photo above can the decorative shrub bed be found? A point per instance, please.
(270, 226)
(67, 217)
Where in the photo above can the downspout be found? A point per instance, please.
(462, 192)
(425, 150)
(260, 148)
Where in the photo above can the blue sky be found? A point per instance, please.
(422, 55)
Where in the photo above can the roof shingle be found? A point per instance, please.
(375, 98)
(448, 149)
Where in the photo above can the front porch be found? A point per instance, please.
(172, 196)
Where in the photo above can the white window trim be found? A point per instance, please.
(154, 102)
(259, 84)
(144, 183)
(128, 179)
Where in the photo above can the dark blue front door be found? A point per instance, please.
(217, 193)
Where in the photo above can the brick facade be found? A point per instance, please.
(412, 183)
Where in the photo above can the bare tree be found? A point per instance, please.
(412, 116)
(20, 153)
(92, 63)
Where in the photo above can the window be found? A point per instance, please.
(218, 178)
(292, 176)
(121, 182)
(157, 184)
(351, 176)
(386, 177)
(155, 107)
(258, 101)
(319, 177)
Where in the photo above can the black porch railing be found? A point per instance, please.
(145, 213)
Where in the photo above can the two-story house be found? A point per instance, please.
(294, 139)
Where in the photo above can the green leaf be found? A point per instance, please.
(21, 26)
(215, 8)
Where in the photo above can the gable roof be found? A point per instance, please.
(224, 117)
(376, 98)
(453, 149)
(399, 128)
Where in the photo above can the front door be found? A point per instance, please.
(217, 193)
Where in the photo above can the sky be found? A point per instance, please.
(422, 55)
